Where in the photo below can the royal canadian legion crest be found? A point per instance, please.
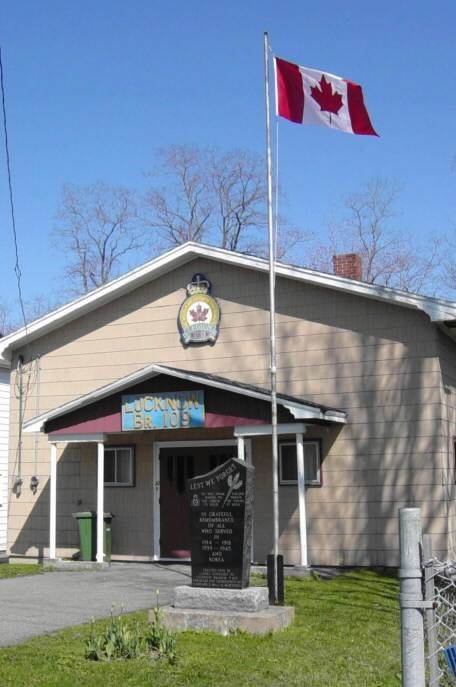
(199, 314)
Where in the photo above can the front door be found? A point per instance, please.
(177, 465)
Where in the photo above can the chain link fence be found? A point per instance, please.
(440, 620)
(428, 608)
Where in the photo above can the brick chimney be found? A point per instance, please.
(348, 265)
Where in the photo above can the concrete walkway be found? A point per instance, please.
(39, 604)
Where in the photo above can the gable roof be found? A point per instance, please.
(298, 407)
(438, 310)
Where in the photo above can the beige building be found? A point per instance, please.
(113, 407)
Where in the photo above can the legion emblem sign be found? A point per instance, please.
(199, 314)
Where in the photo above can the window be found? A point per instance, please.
(119, 466)
(288, 466)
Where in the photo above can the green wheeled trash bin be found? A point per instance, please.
(87, 524)
(107, 537)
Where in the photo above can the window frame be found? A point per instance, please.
(293, 482)
(132, 449)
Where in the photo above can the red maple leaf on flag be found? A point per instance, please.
(328, 101)
(199, 314)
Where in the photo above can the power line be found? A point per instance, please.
(17, 268)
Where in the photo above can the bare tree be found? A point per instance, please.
(210, 196)
(181, 209)
(288, 245)
(41, 305)
(390, 257)
(97, 227)
(6, 322)
(34, 308)
(237, 187)
(449, 262)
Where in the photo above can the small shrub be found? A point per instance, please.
(162, 640)
(124, 640)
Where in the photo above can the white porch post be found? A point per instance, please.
(53, 502)
(100, 501)
(241, 448)
(302, 499)
(156, 501)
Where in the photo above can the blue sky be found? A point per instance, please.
(94, 88)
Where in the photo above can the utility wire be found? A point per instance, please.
(17, 268)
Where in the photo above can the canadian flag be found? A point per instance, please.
(309, 96)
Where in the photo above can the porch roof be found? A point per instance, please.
(299, 408)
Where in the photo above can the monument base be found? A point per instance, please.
(225, 611)
(271, 619)
(246, 600)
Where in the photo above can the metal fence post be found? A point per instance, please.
(429, 613)
(411, 598)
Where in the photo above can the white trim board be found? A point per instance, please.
(266, 430)
(76, 438)
(438, 310)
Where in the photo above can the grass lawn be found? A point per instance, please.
(346, 634)
(20, 569)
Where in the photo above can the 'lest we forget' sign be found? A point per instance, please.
(163, 410)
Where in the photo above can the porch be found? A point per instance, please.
(148, 494)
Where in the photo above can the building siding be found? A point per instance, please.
(377, 361)
(447, 358)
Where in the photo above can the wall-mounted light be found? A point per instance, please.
(17, 487)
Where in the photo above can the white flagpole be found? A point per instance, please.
(275, 450)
